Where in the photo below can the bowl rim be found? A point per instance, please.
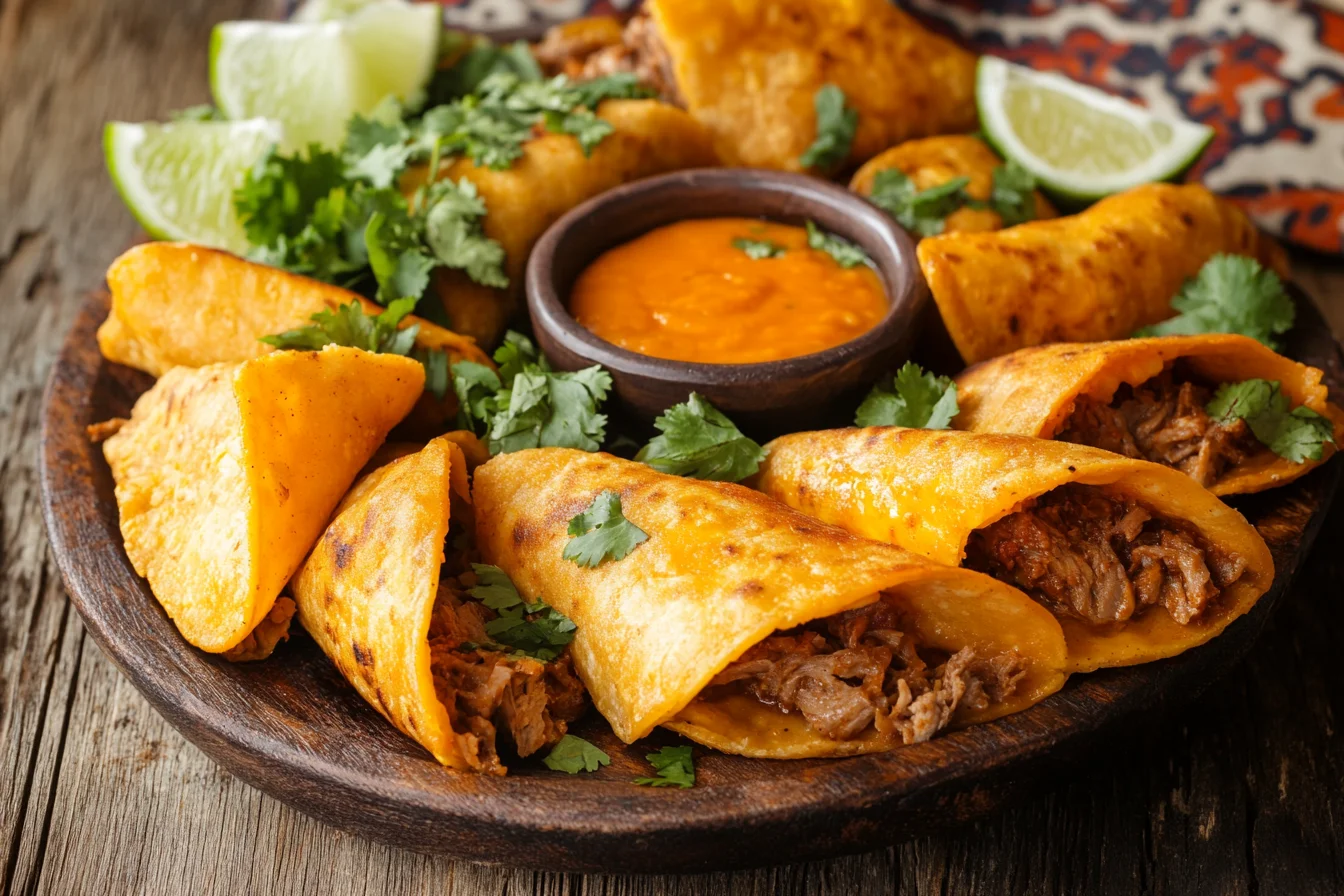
(548, 309)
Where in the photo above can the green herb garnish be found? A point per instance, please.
(532, 628)
(675, 768)
(921, 211)
(1298, 435)
(574, 754)
(836, 124)
(914, 399)
(700, 442)
(602, 533)
(758, 249)
(845, 253)
(1013, 195)
(1230, 294)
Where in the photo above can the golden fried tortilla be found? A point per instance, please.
(928, 491)
(226, 474)
(1100, 274)
(934, 161)
(749, 70)
(551, 178)
(723, 569)
(1034, 391)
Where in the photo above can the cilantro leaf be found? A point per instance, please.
(602, 533)
(494, 588)
(276, 200)
(1013, 195)
(479, 62)
(836, 123)
(1297, 435)
(475, 386)
(1230, 294)
(845, 253)
(574, 754)
(515, 354)
(700, 442)
(533, 628)
(758, 249)
(453, 230)
(675, 767)
(915, 399)
(921, 211)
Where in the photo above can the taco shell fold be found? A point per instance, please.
(226, 475)
(723, 568)
(1033, 391)
(927, 491)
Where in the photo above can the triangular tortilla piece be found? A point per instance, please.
(926, 491)
(723, 568)
(1033, 391)
(226, 474)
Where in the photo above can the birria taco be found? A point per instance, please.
(1148, 398)
(752, 629)
(1100, 274)
(750, 71)
(1136, 560)
(226, 474)
(415, 647)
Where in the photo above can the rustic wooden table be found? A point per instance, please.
(1243, 793)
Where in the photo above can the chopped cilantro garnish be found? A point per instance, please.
(533, 628)
(574, 754)
(914, 399)
(529, 405)
(351, 325)
(1013, 195)
(758, 249)
(602, 533)
(836, 124)
(479, 62)
(920, 211)
(845, 253)
(675, 767)
(1299, 434)
(700, 442)
(1230, 294)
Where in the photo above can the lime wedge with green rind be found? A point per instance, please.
(178, 179)
(1079, 142)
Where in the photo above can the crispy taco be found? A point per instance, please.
(1135, 559)
(752, 629)
(226, 474)
(552, 176)
(750, 70)
(373, 596)
(933, 161)
(1100, 274)
(1147, 398)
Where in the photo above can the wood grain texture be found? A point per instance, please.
(1240, 794)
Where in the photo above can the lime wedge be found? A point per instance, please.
(178, 179)
(329, 10)
(1080, 142)
(312, 76)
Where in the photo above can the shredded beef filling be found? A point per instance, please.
(640, 51)
(1164, 421)
(486, 691)
(1102, 558)
(856, 670)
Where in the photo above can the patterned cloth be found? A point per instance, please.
(1267, 75)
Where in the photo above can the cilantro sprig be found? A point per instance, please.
(925, 212)
(381, 333)
(758, 249)
(675, 767)
(1013, 194)
(845, 253)
(700, 442)
(915, 399)
(574, 754)
(529, 405)
(1230, 294)
(1299, 434)
(836, 124)
(532, 628)
(601, 533)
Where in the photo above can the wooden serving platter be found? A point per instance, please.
(293, 728)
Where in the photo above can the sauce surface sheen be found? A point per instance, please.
(685, 292)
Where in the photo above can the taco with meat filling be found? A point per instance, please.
(751, 628)
(1136, 560)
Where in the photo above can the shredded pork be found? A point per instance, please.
(1099, 557)
(641, 51)
(487, 692)
(854, 671)
(1164, 421)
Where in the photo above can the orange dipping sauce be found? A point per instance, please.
(686, 293)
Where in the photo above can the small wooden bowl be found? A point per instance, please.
(765, 398)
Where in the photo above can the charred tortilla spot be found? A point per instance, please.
(731, 549)
(523, 533)
(748, 588)
(342, 555)
(363, 656)
(1013, 323)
